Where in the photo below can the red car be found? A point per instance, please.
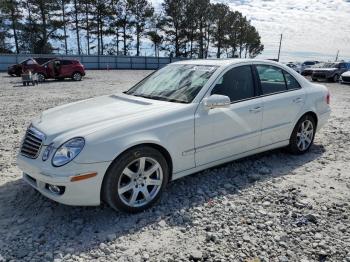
(60, 69)
(27, 64)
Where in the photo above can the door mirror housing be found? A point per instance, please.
(216, 101)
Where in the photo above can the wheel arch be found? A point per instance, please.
(76, 71)
(313, 115)
(156, 146)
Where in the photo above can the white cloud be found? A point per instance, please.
(311, 28)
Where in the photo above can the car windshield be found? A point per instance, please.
(175, 83)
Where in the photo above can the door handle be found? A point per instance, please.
(255, 109)
(297, 100)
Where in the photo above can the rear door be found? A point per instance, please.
(66, 68)
(224, 132)
(283, 99)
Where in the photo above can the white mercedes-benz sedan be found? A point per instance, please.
(188, 116)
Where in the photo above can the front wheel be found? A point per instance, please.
(77, 76)
(41, 77)
(303, 135)
(335, 78)
(135, 180)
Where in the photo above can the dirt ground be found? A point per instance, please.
(268, 207)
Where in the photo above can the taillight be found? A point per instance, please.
(328, 98)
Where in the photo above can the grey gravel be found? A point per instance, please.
(268, 207)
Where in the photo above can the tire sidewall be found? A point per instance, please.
(41, 77)
(336, 78)
(81, 76)
(110, 182)
(293, 147)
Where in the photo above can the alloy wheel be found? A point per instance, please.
(140, 182)
(305, 135)
(77, 76)
(41, 78)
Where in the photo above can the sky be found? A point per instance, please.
(312, 29)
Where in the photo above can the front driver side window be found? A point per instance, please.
(237, 84)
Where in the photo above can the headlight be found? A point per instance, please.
(68, 151)
(47, 152)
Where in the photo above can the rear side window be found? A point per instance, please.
(291, 82)
(271, 79)
(66, 62)
(237, 84)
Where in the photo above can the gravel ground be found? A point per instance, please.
(269, 207)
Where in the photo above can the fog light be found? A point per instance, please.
(57, 190)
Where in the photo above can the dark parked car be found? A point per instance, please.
(308, 71)
(307, 64)
(60, 69)
(330, 71)
(27, 64)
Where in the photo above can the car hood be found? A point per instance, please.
(84, 117)
(347, 73)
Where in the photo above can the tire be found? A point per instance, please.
(125, 183)
(314, 79)
(77, 76)
(335, 78)
(303, 135)
(41, 77)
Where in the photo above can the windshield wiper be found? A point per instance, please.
(162, 98)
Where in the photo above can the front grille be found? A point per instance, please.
(346, 78)
(32, 143)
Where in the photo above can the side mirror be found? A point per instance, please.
(216, 101)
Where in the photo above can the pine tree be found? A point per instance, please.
(11, 12)
(44, 18)
(174, 26)
(220, 26)
(141, 12)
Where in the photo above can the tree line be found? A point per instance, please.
(181, 28)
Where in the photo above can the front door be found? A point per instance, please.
(224, 132)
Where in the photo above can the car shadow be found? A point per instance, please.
(44, 225)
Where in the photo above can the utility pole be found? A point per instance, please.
(336, 57)
(279, 49)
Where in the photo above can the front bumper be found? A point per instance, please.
(78, 193)
(11, 71)
(345, 80)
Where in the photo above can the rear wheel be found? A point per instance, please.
(77, 76)
(135, 181)
(303, 135)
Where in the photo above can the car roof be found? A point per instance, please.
(222, 62)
